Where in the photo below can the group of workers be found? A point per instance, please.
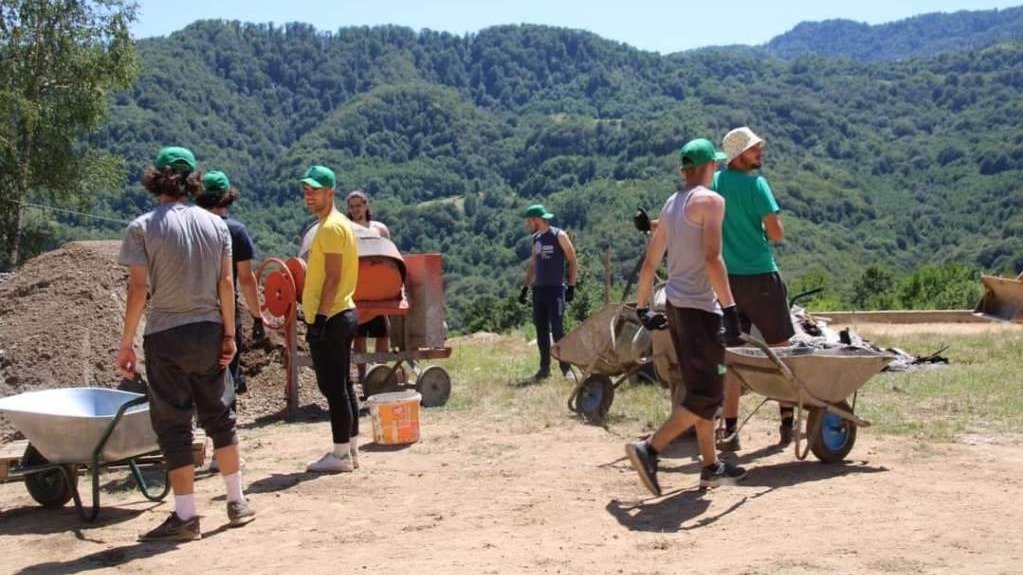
(716, 233)
(188, 262)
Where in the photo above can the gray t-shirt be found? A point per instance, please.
(182, 248)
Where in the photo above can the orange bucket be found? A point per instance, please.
(395, 417)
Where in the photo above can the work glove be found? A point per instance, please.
(650, 320)
(317, 331)
(641, 220)
(523, 294)
(569, 293)
(258, 333)
(733, 332)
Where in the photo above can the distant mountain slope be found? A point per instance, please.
(918, 37)
(895, 165)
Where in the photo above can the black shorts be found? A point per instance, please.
(185, 377)
(700, 347)
(763, 300)
(376, 327)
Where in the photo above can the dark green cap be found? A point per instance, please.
(699, 152)
(215, 183)
(181, 159)
(319, 177)
(537, 211)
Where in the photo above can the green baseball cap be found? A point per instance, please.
(215, 183)
(181, 159)
(537, 211)
(319, 177)
(699, 152)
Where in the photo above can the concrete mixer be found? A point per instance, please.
(407, 289)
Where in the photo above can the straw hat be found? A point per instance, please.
(738, 141)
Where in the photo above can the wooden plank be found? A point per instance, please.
(10, 455)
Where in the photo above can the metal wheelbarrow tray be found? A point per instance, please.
(1002, 300)
(94, 427)
(818, 380)
(610, 343)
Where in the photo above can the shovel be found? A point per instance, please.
(1003, 299)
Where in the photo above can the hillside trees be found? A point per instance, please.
(59, 59)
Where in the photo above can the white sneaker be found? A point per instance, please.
(331, 463)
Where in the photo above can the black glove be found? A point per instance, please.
(641, 220)
(315, 332)
(258, 333)
(523, 294)
(732, 329)
(569, 293)
(651, 321)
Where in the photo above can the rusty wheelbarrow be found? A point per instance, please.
(1002, 300)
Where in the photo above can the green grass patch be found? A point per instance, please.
(980, 391)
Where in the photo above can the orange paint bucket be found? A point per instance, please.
(395, 417)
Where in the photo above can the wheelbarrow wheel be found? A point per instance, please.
(48, 488)
(434, 384)
(380, 379)
(835, 435)
(593, 398)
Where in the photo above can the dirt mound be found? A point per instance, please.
(61, 316)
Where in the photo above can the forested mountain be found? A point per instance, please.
(894, 165)
(918, 37)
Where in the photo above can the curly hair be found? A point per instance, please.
(170, 182)
(210, 201)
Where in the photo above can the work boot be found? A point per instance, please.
(721, 473)
(785, 434)
(239, 513)
(645, 464)
(174, 529)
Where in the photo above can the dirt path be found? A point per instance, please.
(479, 496)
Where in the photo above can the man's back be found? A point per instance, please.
(748, 199)
(182, 248)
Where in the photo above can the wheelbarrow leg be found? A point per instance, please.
(140, 480)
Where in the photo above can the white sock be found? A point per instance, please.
(354, 442)
(342, 450)
(234, 486)
(184, 506)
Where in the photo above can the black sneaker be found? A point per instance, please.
(785, 434)
(239, 513)
(645, 464)
(541, 375)
(174, 529)
(721, 473)
(730, 445)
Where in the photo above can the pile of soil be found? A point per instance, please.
(61, 317)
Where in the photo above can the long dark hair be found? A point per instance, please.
(170, 182)
(210, 201)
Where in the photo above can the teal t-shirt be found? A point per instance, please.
(748, 199)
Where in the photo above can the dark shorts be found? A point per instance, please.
(700, 347)
(185, 378)
(763, 300)
(376, 327)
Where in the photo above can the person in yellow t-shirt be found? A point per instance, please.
(331, 274)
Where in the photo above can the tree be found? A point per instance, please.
(58, 61)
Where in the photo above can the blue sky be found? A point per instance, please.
(656, 25)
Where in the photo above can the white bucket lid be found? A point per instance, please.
(395, 397)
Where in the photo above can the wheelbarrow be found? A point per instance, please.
(69, 428)
(611, 343)
(822, 382)
(1002, 300)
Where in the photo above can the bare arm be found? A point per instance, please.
(713, 209)
(247, 283)
(382, 229)
(569, 249)
(136, 304)
(331, 281)
(530, 267)
(654, 254)
(773, 227)
(225, 289)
